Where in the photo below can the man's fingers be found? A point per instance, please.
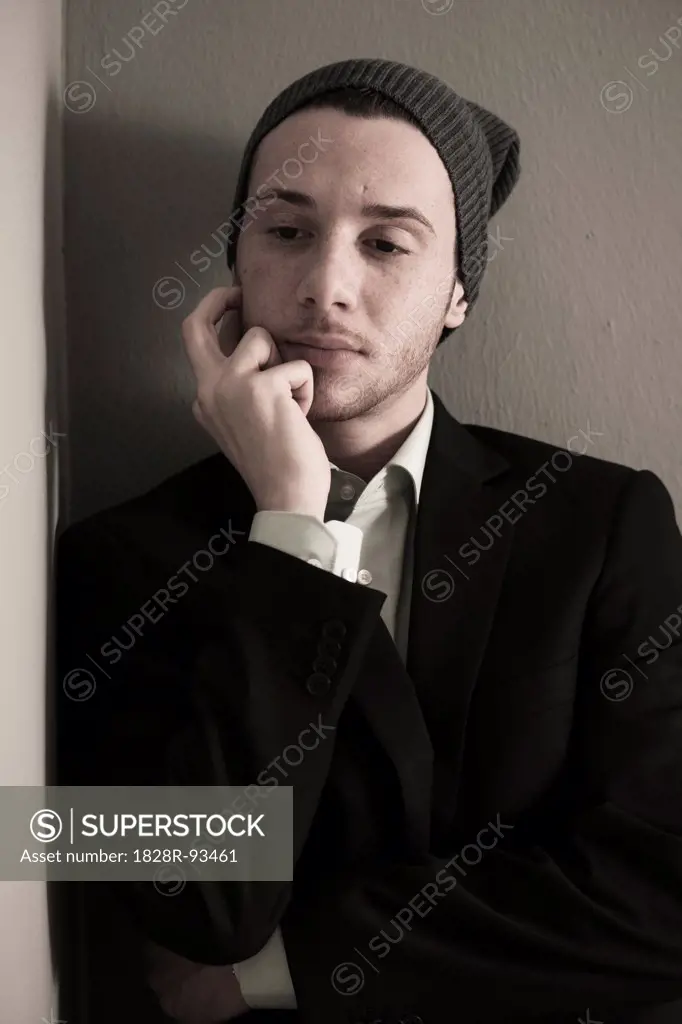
(199, 328)
(257, 350)
(230, 331)
(216, 302)
(298, 376)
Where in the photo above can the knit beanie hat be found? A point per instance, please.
(479, 150)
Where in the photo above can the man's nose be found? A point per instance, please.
(331, 278)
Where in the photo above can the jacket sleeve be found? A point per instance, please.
(581, 909)
(255, 656)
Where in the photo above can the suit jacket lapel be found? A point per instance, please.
(419, 711)
(455, 589)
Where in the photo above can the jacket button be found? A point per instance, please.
(327, 646)
(335, 629)
(318, 683)
(325, 664)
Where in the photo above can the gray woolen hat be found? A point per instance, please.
(479, 150)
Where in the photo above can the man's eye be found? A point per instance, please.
(275, 231)
(384, 241)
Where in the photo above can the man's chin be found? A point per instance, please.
(336, 395)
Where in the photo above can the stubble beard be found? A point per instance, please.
(339, 396)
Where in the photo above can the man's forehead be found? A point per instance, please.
(375, 152)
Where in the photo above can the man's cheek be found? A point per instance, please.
(260, 314)
(266, 295)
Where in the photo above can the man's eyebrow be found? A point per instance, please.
(369, 210)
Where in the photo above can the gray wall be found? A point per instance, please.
(578, 324)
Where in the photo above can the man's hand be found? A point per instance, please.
(255, 406)
(193, 993)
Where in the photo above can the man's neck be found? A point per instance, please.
(365, 444)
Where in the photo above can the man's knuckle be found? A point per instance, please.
(204, 395)
(187, 325)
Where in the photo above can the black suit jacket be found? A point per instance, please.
(534, 700)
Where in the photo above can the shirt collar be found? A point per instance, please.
(410, 457)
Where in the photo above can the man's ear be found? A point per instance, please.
(458, 306)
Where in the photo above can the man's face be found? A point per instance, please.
(327, 266)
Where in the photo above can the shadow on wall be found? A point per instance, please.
(143, 209)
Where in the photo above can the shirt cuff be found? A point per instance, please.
(265, 980)
(334, 546)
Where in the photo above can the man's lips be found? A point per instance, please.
(324, 341)
(327, 355)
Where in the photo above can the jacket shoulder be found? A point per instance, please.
(186, 505)
(531, 455)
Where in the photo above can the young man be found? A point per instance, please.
(481, 628)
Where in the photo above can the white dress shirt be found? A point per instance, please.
(370, 543)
